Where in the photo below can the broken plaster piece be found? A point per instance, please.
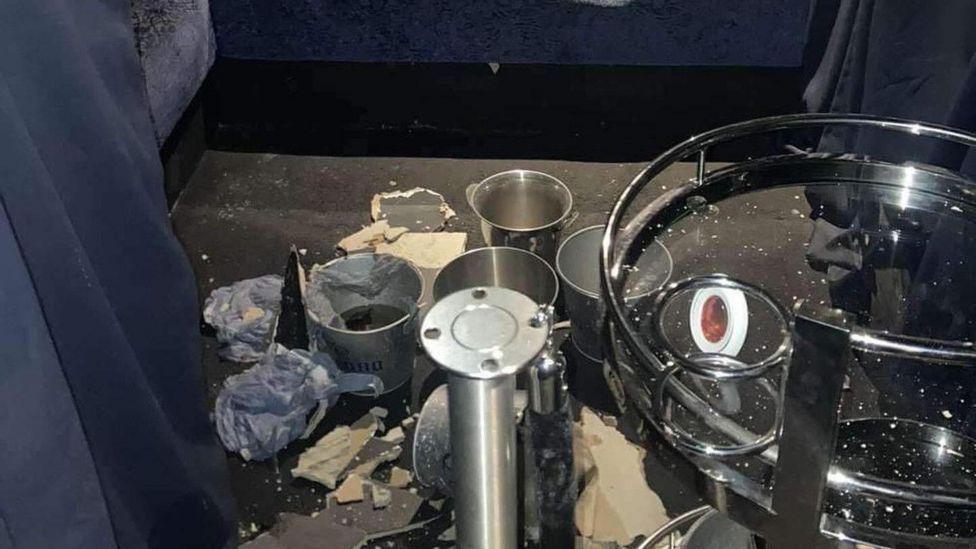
(426, 250)
(327, 461)
(350, 491)
(400, 478)
(395, 435)
(252, 314)
(613, 507)
(380, 495)
(370, 236)
(418, 209)
(397, 516)
(368, 467)
(448, 535)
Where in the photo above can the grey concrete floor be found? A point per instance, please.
(242, 211)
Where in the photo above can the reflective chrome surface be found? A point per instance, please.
(522, 209)
(483, 461)
(670, 530)
(578, 265)
(881, 233)
(510, 268)
(483, 337)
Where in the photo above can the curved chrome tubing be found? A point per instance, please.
(961, 353)
(655, 357)
(752, 444)
(716, 365)
(669, 529)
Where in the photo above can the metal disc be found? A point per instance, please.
(484, 333)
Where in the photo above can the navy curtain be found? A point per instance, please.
(104, 440)
(912, 59)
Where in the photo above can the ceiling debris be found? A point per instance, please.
(426, 250)
(381, 495)
(328, 460)
(584, 543)
(394, 435)
(400, 478)
(350, 491)
(613, 507)
(370, 236)
(418, 209)
(395, 513)
(375, 453)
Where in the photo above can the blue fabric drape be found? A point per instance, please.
(104, 440)
(909, 59)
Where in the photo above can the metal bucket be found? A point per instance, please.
(578, 265)
(363, 311)
(523, 209)
(510, 268)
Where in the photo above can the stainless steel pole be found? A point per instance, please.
(483, 461)
(483, 337)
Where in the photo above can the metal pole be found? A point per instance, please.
(550, 476)
(482, 338)
(812, 396)
(483, 461)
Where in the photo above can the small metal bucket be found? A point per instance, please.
(510, 268)
(578, 265)
(523, 209)
(363, 311)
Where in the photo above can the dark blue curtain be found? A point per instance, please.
(104, 440)
(912, 59)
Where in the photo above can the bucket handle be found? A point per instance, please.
(469, 194)
(570, 219)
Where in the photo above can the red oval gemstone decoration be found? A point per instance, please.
(714, 319)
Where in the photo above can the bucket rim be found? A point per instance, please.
(596, 295)
(473, 251)
(562, 217)
(402, 320)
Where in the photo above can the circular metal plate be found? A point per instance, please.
(484, 333)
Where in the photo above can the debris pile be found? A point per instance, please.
(371, 236)
(269, 321)
(409, 225)
(372, 483)
(417, 209)
(616, 505)
(327, 461)
(360, 508)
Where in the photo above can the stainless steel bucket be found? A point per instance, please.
(578, 265)
(363, 311)
(522, 209)
(510, 268)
